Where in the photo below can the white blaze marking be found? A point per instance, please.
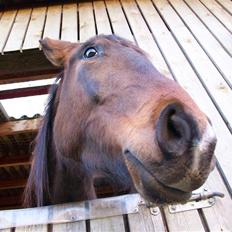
(207, 138)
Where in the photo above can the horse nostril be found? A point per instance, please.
(174, 130)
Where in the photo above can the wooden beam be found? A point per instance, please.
(31, 64)
(13, 184)
(11, 161)
(24, 92)
(10, 202)
(19, 127)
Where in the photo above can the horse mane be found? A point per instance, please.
(37, 190)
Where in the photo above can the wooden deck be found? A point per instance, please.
(188, 40)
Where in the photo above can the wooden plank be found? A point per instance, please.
(18, 31)
(10, 201)
(35, 28)
(186, 221)
(144, 37)
(69, 31)
(11, 161)
(188, 79)
(70, 212)
(33, 228)
(6, 23)
(216, 28)
(71, 226)
(102, 20)
(6, 230)
(227, 4)
(53, 21)
(112, 224)
(209, 75)
(218, 217)
(214, 50)
(24, 92)
(19, 127)
(87, 25)
(118, 20)
(219, 12)
(12, 184)
(144, 221)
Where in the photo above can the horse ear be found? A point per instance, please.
(57, 51)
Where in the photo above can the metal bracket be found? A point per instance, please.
(197, 201)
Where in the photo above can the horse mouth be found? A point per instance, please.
(149, 187)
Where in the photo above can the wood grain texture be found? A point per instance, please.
(144, 221)
(53, 21)
(118, 20)
(35, 28)
(112, 224)
(70, 227)
(6, 23)
(87, 24)
(18, 30)
(215, 26)
(219, 12)
(69, 30)
(102, 21)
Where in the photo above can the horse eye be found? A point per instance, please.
(90, 52)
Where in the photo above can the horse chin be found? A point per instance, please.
(149, 187)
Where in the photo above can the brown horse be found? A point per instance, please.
(113, 114)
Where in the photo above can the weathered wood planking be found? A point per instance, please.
(219, 12)
(209, 75)
(118, 20)
(71, 226)
(69, 31)
(215, 26)
(112, 224)
(87, 24)
(53, 21)
(35, 28)
(18, 30)
(6, 23)
(213, 49)
(144, 221)
(227, 4)
(102, 20)
(143, 36)
(33, 228)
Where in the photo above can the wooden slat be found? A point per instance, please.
(19, 127)
(87, 25)
(53, 21)
(6, 23)
(186, 221)
(12, 184)
(187, 78)
(112, 224)
(217, 87)
(18, 31)
(70, 212)
(102, 21)
(35, 28)
(218, 55)
(144, 221)
(218, 217)
(24, 92)
(118, 20)
(219, 12)
(9, 161)
(218, 30)
(69, 30)
(34, 228)
(227, 4)
(144, 37)
(71, 226)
